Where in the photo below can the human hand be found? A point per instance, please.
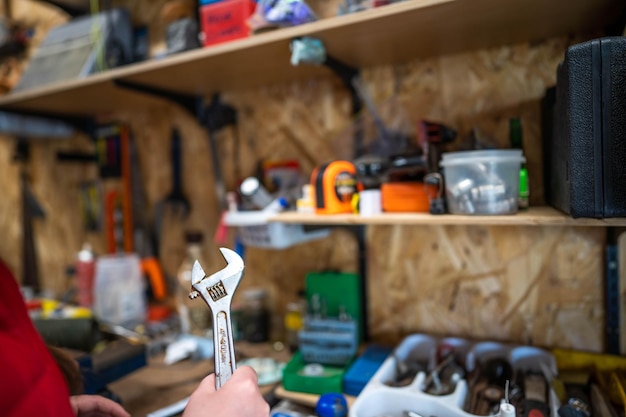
(96, 406)
(238, 397)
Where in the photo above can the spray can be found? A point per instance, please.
(85, 272)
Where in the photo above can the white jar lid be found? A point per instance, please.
(481, 156)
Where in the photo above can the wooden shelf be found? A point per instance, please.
(386, 35)
(535, 216)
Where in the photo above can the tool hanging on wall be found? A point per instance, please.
(113, 157)
(213, 117)
(90, 191)
(175, 202)
(31, 209)
(91, 205)
(218, 116)
(310, 51)
(127, 200)
(142, 236)
(176, 198)
(114, 222)
(24, 128)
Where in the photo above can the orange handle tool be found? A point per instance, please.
(151, 268)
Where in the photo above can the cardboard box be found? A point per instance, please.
(225, 20)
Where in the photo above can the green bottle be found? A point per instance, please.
(515, 136)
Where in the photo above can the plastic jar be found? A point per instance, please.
(195, 315)
(482, 182)
(256, 316)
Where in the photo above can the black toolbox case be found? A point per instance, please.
(584, 123)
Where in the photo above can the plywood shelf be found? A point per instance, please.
(535, 216)
(386, 35)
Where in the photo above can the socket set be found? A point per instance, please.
(328, 341)
(430, 376)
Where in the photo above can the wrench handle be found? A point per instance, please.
(224, 347)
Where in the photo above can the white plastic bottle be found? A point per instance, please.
(195, 317)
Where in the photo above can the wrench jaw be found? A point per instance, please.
(222, 283)
(217, 291)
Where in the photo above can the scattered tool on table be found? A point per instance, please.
(217, 291)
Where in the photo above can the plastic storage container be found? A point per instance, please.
(381, 397)
(482, 182)
(256, 231)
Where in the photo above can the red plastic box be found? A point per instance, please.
(225, 20)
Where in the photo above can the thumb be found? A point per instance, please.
(207, 385)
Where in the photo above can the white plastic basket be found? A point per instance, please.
(255, 230)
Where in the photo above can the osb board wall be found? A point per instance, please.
(539, 285)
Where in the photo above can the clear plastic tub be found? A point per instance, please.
(483, 182)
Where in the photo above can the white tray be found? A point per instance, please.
(256, 231)
(379, 399)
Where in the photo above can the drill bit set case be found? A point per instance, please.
(454, 377)
(584, 134)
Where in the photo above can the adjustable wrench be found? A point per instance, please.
(217, 291)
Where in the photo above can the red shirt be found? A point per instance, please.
(31, 383)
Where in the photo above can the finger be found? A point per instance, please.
(246, 372)
(96, 404)
(207, 385)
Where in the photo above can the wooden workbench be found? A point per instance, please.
(159, 385)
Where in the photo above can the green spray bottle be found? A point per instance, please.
(516, 138)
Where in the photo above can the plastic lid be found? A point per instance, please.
(86, 253)
(465, 157)
(479, 153)
(283, 202)
(249, 186)
(255, 293)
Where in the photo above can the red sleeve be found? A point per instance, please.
(31, 383)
